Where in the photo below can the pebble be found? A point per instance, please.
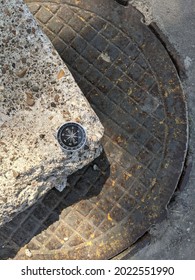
(35, 88)
(61, 74)
(56, 98)
(28, 253)
(21, 73)
(30, 99)
(95, 167)
(16, 174)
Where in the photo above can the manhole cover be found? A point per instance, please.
(129, 79)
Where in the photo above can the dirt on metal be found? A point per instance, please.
(130, 81)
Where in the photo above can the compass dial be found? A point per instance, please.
(71, 136)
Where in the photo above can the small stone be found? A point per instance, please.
(56, 98)
(16, 174)
(2, 88)
(4, 70)
(30, 102)
(4, 199)
(61, 74)
(78, 119)
(24, 60)
(53, 104)
(66, 239)
(105, 57)
(95, 167)
(94, 138)
(35, 88)
(42, 136)
(21, 73)
(14, 32)
(60, 188)
(30, 99)
(7, 12)
(28, 253)
(66, 115)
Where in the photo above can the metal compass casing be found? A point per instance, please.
(71, 136)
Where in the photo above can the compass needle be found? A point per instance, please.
(71, 136)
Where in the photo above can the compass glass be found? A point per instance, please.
(71, 136)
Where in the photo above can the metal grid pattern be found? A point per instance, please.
(113, 201)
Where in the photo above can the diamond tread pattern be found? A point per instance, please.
(132, 85)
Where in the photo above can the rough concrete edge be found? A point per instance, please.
(171, 50)
(147, 18)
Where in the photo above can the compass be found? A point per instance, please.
(71, 136)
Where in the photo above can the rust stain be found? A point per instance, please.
(153, 182)
(127, 176)
(92, 235)
(81, 18)
(89, 243)
(179, 121)
(129, 91)
(113, 183)
(119, 140)
(109, 217)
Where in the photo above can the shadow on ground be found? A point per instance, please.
(84, 184)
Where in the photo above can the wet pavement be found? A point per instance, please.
(131, 83)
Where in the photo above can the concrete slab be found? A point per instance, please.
(37, 95)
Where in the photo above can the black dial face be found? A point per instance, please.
(71, 136)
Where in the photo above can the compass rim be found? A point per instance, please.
(80, 145)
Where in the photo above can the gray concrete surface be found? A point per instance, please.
(174, 238)
(38, 94)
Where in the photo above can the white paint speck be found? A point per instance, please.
(187, 62)
(95, 167)
(105, 57)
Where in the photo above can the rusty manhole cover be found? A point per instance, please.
(129, 79)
